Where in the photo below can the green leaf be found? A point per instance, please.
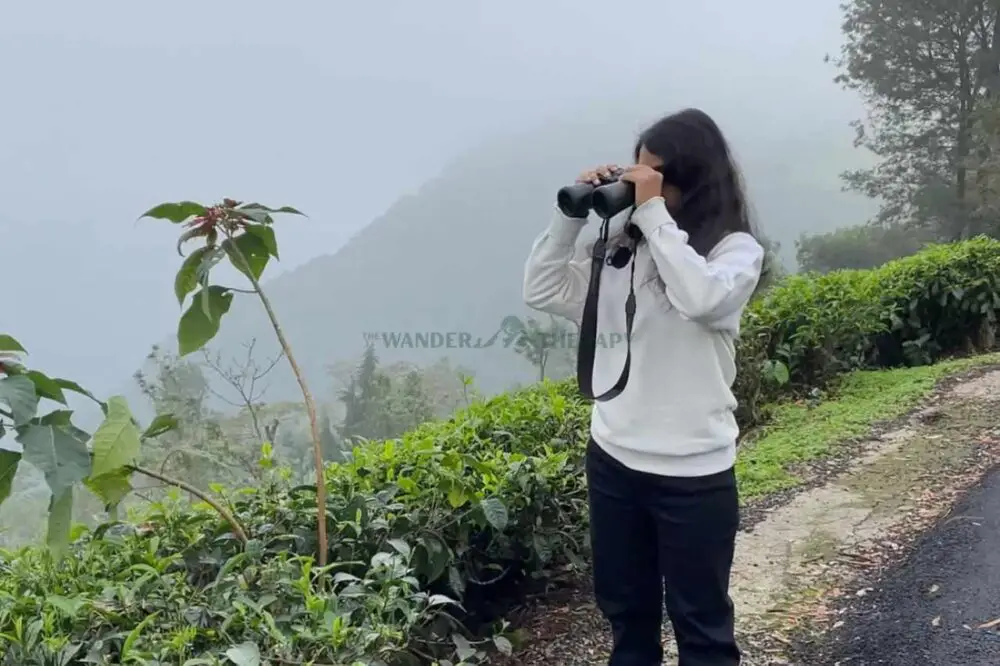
(456, 496)
(401, 547)
(112, 487)
(9, 344)
(251, 248)
(133, 636)
(58, 453)
(463, 648)
(8, 468)
(190, 274)
(60, 521)
(175, 212)
(496, 512)
(116, 442)
(62, 418)
(197, 327)
(456, 581)
(244, 654)
(68, 385)
(163, 423)
(18, 393)
(266, 236)
(46, 387)
(283, 209)
(503, 646)
(65, 605)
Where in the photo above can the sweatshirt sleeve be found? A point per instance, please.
(702, 290)
(555, 282)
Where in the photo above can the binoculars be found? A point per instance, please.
(607, 199)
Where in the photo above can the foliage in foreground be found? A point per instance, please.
(472, 509)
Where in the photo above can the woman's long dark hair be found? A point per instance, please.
(697, 160)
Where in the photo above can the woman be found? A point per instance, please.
(664, 509)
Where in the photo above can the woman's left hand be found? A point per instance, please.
(648, 182)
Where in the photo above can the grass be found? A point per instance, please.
(803, 432)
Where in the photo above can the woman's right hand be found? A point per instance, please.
(601, 174)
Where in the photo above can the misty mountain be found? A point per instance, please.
(449, 258)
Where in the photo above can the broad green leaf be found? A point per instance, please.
(46, 387)
(283, 209)
(62, 418)
(58, 453)
(189, 275)
(401, 547)
(503, 645)
(196, 327)
(112, 487)
(65, 605)
(60, 521)
(116, 441)
(456, 496)
(175, 212)
(463, 648)
(163, 423)
(781, 373)
(250, 248)
(8, 468)
(68, 385)
(266, 236)
(9, 344)
(18, 393)
(244, 654)
(496, 512)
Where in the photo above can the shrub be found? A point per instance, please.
(940, 301)
(858, 247)
(447, 524)
(469, 509)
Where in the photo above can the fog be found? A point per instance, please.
(336, 108)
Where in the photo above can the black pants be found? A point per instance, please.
(652, 534)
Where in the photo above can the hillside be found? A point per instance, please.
(449, 258)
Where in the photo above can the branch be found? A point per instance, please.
(323, 545)
(177, 483)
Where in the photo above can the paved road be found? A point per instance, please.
(908, 621)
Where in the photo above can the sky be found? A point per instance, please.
(337, 108)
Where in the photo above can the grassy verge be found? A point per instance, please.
(801, 432)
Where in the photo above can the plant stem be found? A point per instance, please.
(177, 483)
(323, 546)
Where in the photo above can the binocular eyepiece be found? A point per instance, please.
(607, 200)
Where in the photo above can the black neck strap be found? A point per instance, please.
(588, 325)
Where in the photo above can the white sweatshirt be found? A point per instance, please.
(675, 416)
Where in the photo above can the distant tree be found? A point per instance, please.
(924, 70)
(197, 451)
(414, 394)
(383, 405)
(540, 343)
(244, 378)
(863, 246)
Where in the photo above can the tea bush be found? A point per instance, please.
(911, 311)
(446, 525)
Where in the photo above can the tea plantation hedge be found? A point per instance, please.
(472, 509)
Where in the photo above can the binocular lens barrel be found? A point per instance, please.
(575, 200)
(606, 200)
